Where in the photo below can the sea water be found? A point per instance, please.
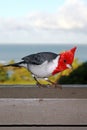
(17, 51)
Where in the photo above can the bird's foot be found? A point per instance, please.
(52, 85)
(56, 85)
(41, 85)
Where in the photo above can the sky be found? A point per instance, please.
(43, 21)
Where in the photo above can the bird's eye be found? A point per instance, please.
(64, 61)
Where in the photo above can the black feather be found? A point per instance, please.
(39, 58)
(15, 64)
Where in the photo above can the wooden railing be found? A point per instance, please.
(43, 107)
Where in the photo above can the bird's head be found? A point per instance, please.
(65, 60)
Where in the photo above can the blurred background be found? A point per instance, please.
(15, 75)
(28, 27)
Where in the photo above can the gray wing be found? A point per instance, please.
(39, 58)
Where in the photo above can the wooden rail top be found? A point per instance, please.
(27, 91)
(33, 106)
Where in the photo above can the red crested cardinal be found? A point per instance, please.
(45, 64)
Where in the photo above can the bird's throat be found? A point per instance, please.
(55, 71)
(58, 69)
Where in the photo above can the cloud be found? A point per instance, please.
(67, 24)
(72, 16)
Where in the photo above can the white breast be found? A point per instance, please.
(45, 69)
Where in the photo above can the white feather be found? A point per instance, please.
(45, 69)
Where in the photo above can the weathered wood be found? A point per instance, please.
(42, 128)
(43, 111)
(46, 106)
(26, 91)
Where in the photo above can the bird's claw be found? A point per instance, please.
(49, 86)
(56, 85)
(41, 85)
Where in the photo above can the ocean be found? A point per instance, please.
(17, 51)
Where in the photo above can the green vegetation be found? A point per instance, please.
(3, 75)
(77, 76)
(16, 75)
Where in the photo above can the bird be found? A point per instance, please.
(46, 64)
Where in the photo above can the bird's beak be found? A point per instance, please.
(69, 66)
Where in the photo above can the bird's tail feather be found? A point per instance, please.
(15, 64)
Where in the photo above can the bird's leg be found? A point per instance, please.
(38, 83)
(54, 84)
